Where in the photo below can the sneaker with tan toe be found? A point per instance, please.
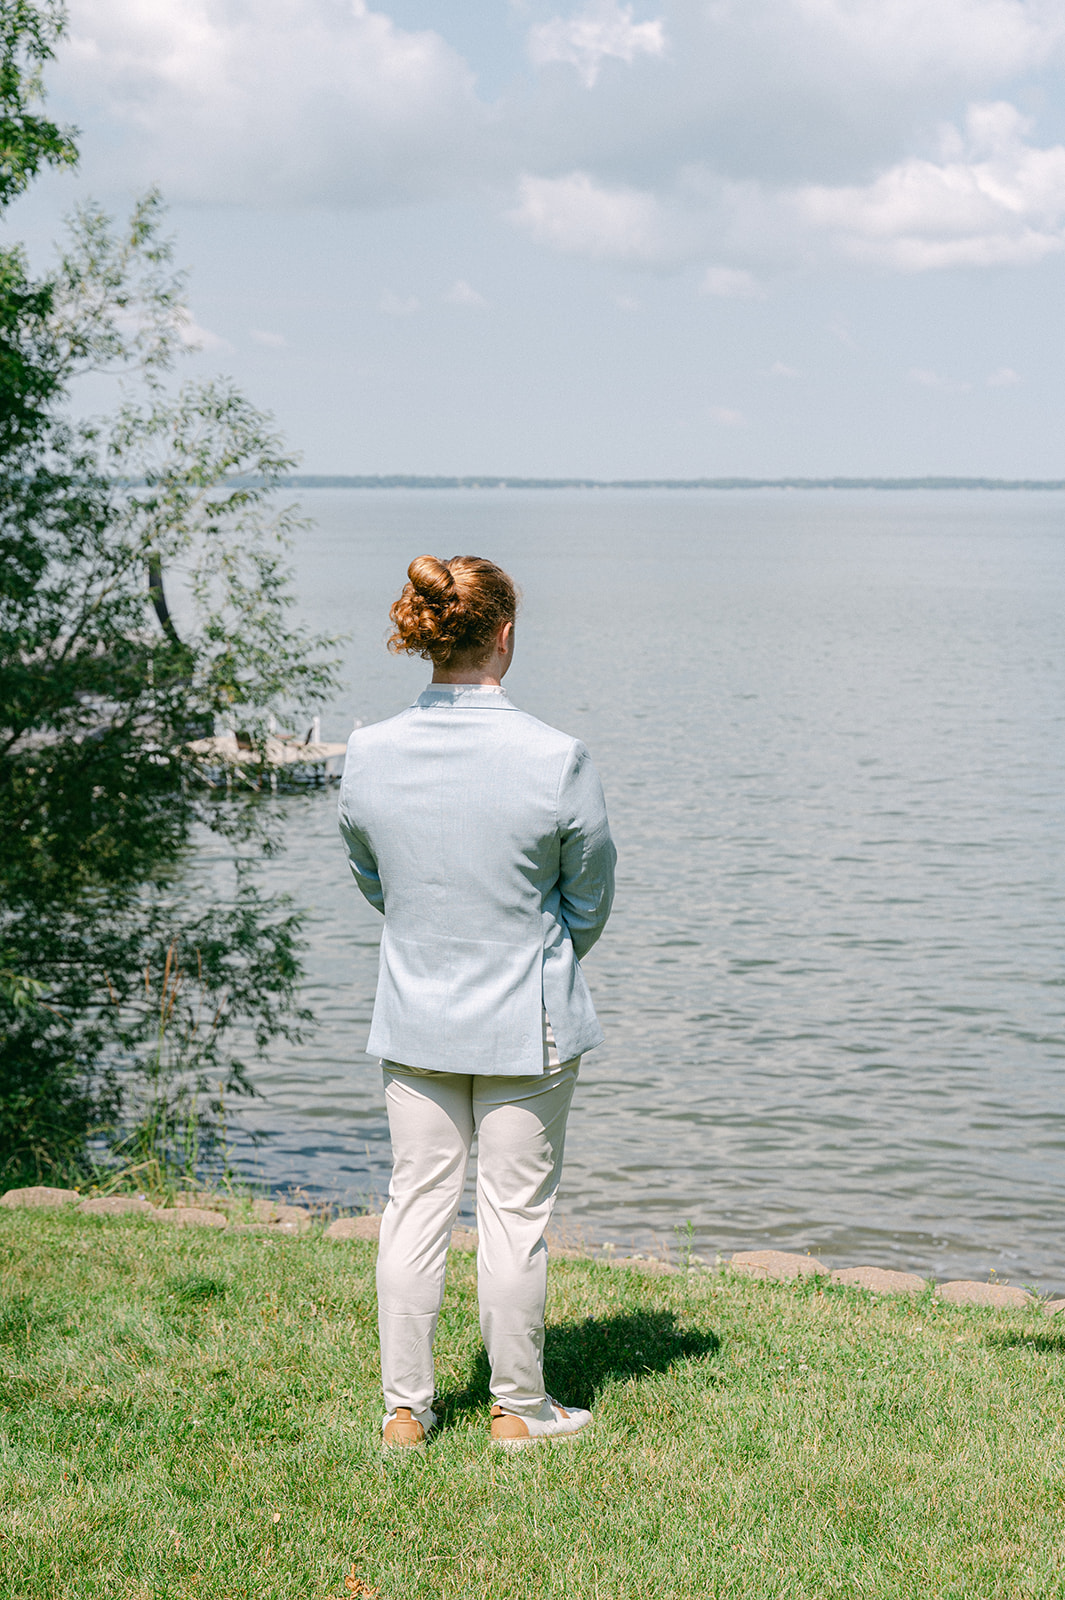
(404, 1429)
(513, 1432)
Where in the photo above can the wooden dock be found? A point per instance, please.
(281, 760)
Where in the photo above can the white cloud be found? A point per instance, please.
(726, 417)
(626, 302)
(996, 201)
(781, 93)
(800, 132)
(1004, 378)
(780, 369)
(908, 38)
(576, 216)
(274, 341)
(989, 197)
(731, 283)
(462, 293)
(196, 337)
(780, 133)
(394, 305)
(929, 379)
(268, 101)
(604, 31)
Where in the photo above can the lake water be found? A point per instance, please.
(830, 729)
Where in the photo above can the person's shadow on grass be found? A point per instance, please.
(1050, 1344)
(584, 1356)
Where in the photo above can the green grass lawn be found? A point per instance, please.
(196, 1414)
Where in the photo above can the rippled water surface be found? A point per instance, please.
(830, 728)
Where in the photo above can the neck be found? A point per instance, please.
(489, 674)
(486, 680)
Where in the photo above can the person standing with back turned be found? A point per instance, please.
(482, 836)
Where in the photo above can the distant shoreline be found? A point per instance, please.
(398, 481)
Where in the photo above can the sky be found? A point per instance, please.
(665, 238)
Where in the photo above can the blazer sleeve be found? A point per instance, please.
(361, 858)
(587, 853)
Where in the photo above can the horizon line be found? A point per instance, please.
(505, 481)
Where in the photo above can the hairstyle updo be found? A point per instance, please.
(450, 611)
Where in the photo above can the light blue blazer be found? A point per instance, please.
(482, 836)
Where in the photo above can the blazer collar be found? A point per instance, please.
(470, 696)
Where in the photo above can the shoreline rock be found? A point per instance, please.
(366, 1228)
(968, 1292)
(38, 1195)
(192, 1217)
(780, 1265)
(274, 1217)
(117, 1205)
(881, 1280)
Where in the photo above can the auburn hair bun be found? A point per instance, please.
(431, 578)
(450, 611)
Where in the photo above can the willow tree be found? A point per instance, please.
(123, 998)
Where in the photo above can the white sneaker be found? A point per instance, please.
(552, 1421)
(404, 1429)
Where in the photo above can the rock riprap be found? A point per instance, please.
(882, 1280)
(369, 1230)
(645, 1264)
(270, 1216)
(354, 1228)
(38, 1195)
(780, 1265)
(274, 1217)
(274, 1211)
(117, 1205)
(192, 1217)
(967, 1292)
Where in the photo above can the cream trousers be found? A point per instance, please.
(520, 1125)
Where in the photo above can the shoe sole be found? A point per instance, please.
(511, 1445)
